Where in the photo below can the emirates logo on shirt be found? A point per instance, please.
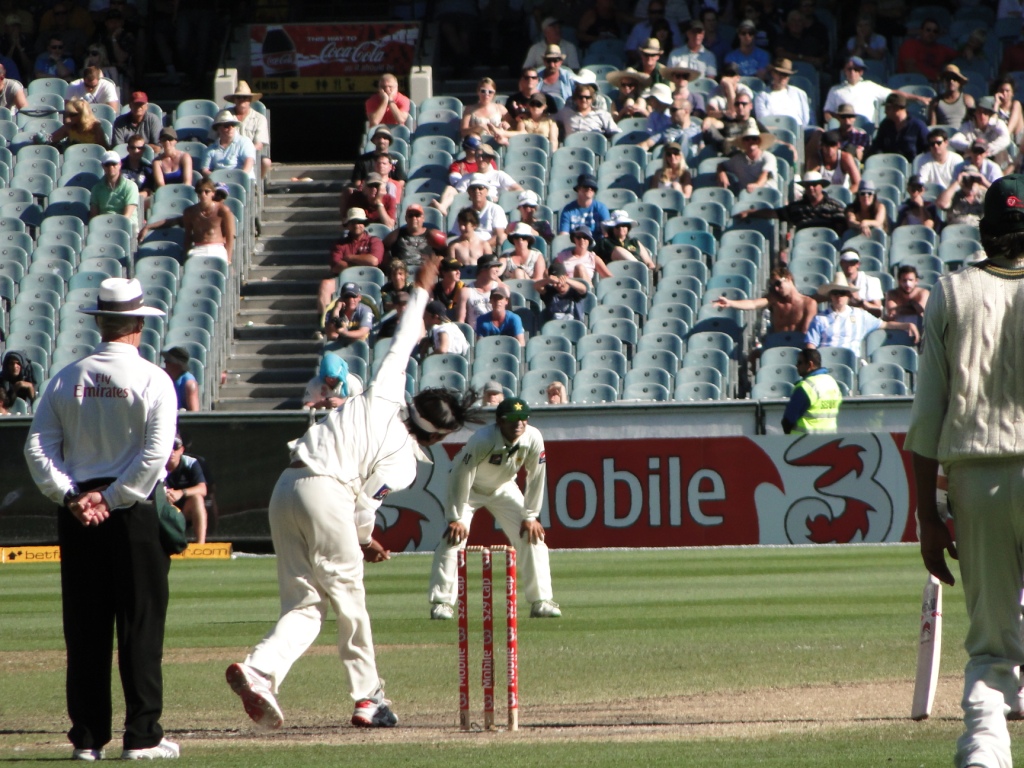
(1014, 202)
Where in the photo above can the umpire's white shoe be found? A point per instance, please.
(442, 612)
(375, 711)
(88, 755)
(260, 704)
(545, 609)
(165, 750)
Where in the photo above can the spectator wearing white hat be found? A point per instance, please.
(617, 245)
(658, 99)
(580, 115)
(528, 203)
(754, 167)
(492, 220)
(551, 34)
(114, 193)
(783, 99)
(523, 262)
(230, 150)
(869, 293)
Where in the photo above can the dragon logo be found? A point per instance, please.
(413, 519)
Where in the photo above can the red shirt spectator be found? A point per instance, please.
(924, 54)
(357, 248)
(380, 207)
(387, 106)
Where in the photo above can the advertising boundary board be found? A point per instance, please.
(629, 475)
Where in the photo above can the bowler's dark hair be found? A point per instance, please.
(1009, 246)
(446, 409)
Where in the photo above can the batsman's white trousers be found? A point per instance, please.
(987, 501)
(532, 563)
(318, 560)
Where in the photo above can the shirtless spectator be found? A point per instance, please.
(348, 319)
(357, 248)
(387, 106)
(380, 207)
(94, 88)
(209, 224)
(906, 302)
(789, 309)
(12, 93)
(468, 248)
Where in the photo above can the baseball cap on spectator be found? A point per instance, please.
(586, 180)
(451, 265)
(729, 69)
(849, 255)
(979, 143)
(846, 109)
(745, 25)
(356, 215)
(856, 62)
(696, 26)
(896, 100)
(471, 142)
(436, 307)
(220, 192)
(349, 290)
(499, 292)
(492, 387)
(986, 104)
(414, 208)
(168, 133)
(557, 269)
(914, 182)
(373, 178)
(110, 157)
(478, 180)
(528, 197)
(139, 97)
(487, 261)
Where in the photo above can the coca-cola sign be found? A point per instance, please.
(302, 58)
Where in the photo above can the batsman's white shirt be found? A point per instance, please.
(111, 414)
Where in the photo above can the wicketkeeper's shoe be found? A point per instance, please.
(260, 704)
(1017, 708)
(545, 609)
(374, 712)
(442, 612)
(88, 755)
(165, 750)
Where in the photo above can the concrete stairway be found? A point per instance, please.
(273, 353)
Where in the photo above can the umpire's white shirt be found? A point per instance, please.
(486, 462)
(111, 414)
(364, 443)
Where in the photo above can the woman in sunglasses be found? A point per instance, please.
(867, 212)
(486, 117)
(674, 173)
(80, 126)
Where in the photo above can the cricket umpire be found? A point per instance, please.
(484, 475)
(322, 515)
(97, 447)
(968, 416)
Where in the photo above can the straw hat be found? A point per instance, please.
(839, 283)
(243, 91)
(616, 77)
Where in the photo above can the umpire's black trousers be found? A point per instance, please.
(114, 574)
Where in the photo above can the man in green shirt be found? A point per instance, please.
(617, 245)
(115, 194)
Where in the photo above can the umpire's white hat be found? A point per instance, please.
(119, 296)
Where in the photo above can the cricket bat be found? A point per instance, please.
(929, 649)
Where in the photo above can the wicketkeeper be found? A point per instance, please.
(484, 475)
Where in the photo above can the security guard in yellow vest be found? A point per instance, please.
(814, 404)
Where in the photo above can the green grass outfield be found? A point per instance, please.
(724, 657)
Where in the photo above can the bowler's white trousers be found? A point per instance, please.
(532, 562)
(987, 501)
(318, 559)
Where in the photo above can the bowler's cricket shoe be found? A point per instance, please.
(374, 712)
(89, 755)
(165, 750)
(545, 609)
(1017, 708)
(442, 612)
(260, 704)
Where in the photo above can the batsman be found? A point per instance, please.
(484, 475)
(968, 414)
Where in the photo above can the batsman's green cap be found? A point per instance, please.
(513, 409)
(1004, 206)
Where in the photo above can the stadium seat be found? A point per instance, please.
(700, 390)
(594, 393)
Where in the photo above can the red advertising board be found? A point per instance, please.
(814, 489)
(300, 59)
